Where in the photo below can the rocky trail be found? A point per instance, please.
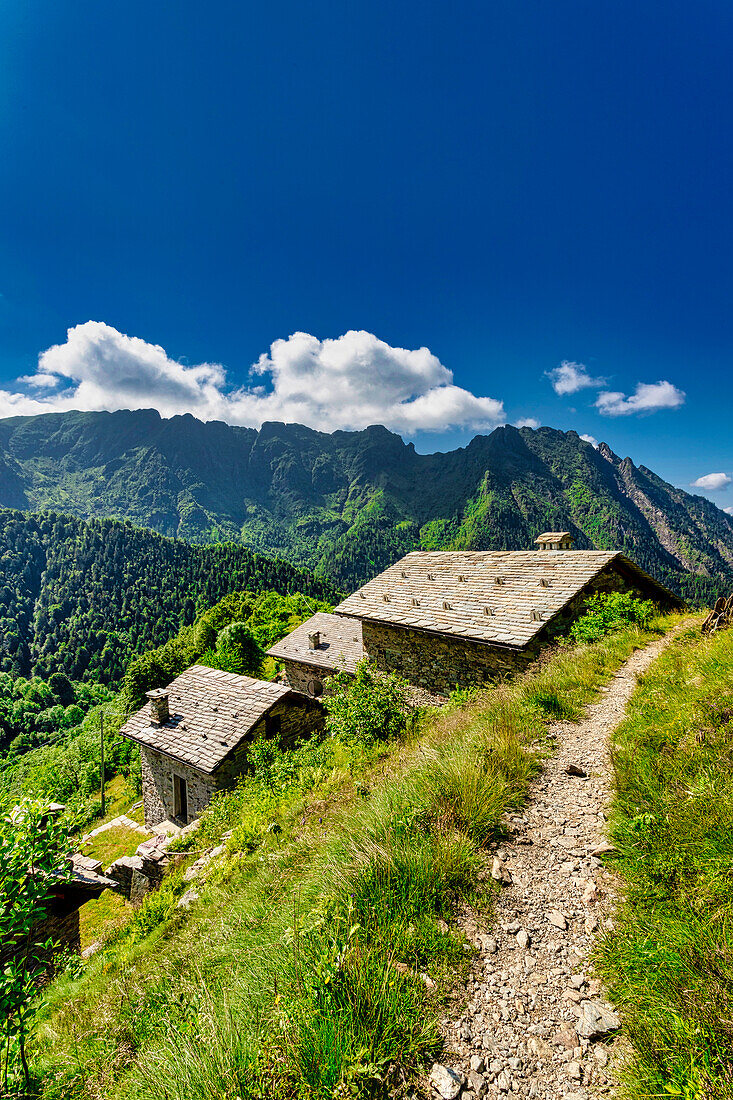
(533, 1021)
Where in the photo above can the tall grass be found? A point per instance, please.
(669, 960)
(316, 965)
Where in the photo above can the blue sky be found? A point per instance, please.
(509, 185)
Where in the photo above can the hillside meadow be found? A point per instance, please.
(316, 959)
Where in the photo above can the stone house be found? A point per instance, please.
(446, 619)
(194, 736)
(85, 882)
(320, 646)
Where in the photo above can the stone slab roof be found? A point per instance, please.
(502, 597)
(82, 877)
(552, 536)
(340, 645)
(210, 714)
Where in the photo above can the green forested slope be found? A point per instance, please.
(82, 598)
(49, 730)
(345, 505)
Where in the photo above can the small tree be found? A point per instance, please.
(62, 688)
(367, 707)
(237, 651)
(33, 860)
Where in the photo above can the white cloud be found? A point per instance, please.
(39, 380)
(729, 510)
(350, 382)
(648, 397)
(590, 439)
(527, 422)
(570, 377)
(711, 482)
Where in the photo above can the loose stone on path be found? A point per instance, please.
(531, 1020)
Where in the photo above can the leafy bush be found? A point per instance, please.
(607, 612)
(370, 706)
(33, 852)
(236, 651)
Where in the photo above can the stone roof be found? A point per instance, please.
(497, 596)
(210, 713)
(340, 645)
(81, 880)
(552, 536)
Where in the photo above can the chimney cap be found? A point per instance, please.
(157, 693)
(554, 540)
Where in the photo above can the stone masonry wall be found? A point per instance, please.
(60, 925)
(298, 718)
(439, 663)
(300, 675)
(608, 581)
(157, 776)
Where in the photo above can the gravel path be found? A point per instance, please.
(533, 1021)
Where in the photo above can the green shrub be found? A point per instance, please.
(33, 857)
(368, 707)
(237, 651)
(608, 612)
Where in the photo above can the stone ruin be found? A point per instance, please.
(137, 875)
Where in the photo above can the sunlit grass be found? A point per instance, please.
(109, 845)
(669, 961)
(98, 917)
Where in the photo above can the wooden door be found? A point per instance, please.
(180, 799)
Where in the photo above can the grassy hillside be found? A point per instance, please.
(345, 505)
(315, 962)
(669, 961)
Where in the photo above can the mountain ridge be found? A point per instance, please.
(345, 504)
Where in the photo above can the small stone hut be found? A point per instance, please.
(320, 646)
(86, 882)
(82, 881)
(194, 736)
(446, 619)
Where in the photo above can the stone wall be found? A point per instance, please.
(299, 676)
(157, 775)
(63, 929)
(299, 717)
(608, 581)
(439, 663)
(60, 925)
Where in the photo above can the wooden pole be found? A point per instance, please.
(101, 753)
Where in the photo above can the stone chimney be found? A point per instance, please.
(158, 699)
(314, 639)
(554, 540)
